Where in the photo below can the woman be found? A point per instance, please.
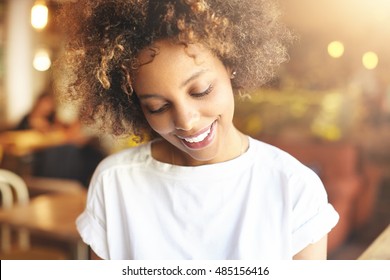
(199, 189)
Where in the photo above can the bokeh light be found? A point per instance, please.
(42, 61)
(370, 60)
(336, 49)
(39, 15)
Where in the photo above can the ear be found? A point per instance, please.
(231, 72)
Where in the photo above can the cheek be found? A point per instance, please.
(160, 124)
(224, 102)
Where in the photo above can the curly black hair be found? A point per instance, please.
(105, 36)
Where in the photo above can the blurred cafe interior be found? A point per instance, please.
(329, 106)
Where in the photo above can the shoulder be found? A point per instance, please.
(278, 162)
(299, 181)
(275, 157)
(130, 157)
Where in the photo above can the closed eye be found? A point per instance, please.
(159, 110)
(204, 93)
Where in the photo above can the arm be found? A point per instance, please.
(94, 256)
(316, 251)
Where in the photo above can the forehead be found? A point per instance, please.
(167, 50)
(167, 62)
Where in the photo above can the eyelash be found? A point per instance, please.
(196, 95)
(202, 94)
(160, 110)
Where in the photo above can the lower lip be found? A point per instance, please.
(202, 144)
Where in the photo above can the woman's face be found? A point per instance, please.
(187, 98)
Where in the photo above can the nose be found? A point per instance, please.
(185, 118)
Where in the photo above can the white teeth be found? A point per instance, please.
(198, 138)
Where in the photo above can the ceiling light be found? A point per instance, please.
(39, 15)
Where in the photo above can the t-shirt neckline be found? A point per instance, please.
(229, 166)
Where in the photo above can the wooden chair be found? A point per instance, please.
(17, 184)
(14, 191)
(6, 203)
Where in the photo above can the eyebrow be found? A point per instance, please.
(149, 95)
(183, 84)
(193, 77)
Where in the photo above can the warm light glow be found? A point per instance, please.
(370, 60)
(42, 61)
(325, 125)
(336, 49)
(39, 15)
(254, 124)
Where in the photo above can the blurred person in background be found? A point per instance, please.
(42, 116)
(72, 153)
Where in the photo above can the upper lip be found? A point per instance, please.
(203, 130)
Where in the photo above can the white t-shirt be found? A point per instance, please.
(262, 205)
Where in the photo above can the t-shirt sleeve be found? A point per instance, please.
(91, 223)
(313, 216)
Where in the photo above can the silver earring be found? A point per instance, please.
(233, 75)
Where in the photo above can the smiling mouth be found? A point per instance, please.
(201, 140)
(198, 138)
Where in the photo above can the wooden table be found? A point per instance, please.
(22, 142)
(50, 215)
(380, 248)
